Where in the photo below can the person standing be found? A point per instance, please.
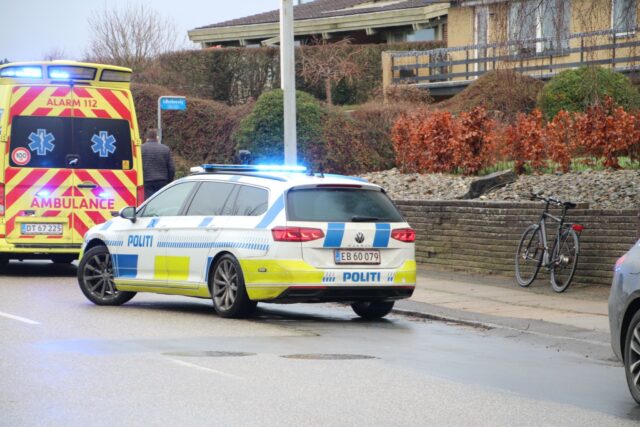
(157, 164)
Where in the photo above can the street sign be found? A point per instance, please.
(173, 103)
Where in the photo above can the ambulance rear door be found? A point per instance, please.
(39, 187)
(105, 172)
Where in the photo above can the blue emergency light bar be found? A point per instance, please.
(253, 168)
(22, 72)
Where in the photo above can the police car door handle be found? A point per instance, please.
(87, 185)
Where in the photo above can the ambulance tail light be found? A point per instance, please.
(1, 199)
(296, 234)
(407, 235)
(140, 194)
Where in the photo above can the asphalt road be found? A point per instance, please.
(162, 360)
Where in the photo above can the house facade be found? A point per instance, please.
(362, 21)
(535, 37)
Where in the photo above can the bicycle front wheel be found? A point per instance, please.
(529, 256)
(564, 260)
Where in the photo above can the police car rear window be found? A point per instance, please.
(55, 142)
(340, 205)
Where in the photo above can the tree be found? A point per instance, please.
(55, 53)
(329, 64)
(131, 37)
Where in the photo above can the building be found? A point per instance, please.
(536, 37)
(362, 21)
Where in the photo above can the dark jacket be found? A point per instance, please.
(157, 162)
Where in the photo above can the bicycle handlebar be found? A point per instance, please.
(538, 196)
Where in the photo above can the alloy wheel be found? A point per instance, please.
(225, 284)
(98, 277)
(634, 357)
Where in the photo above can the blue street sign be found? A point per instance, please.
(173, 103)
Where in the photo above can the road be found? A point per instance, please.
(162, 360)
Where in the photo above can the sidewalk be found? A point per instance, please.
(474, 297)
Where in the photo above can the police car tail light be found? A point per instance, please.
(296, 234)
(1, 199)
(407, 235)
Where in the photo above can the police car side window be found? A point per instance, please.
(210, 198)
(251, 201)
(168, 202)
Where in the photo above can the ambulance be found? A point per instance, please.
(70, 155)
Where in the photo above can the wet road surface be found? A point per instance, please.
(162, 360)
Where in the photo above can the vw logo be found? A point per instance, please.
(359, 238)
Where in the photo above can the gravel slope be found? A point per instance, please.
(602, 189)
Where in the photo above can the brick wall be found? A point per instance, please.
(483, 236)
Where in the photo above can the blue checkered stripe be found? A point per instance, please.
(329, 277)
(114, 243)
(217, 245)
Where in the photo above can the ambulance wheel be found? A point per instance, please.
(95, 277)
(228, 292)
(4, 261)
(63, 259)
(372, 309)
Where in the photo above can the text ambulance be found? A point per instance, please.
(70, 155)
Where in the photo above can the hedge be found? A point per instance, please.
(236, 75)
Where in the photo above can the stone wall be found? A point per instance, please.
(483, 236)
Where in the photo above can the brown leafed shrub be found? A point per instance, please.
(607, 132)
(561, 139)
(438, 141)
(525, 141)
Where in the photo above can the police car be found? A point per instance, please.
(247, 234)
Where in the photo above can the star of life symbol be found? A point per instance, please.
(103, 144)
(41, 142)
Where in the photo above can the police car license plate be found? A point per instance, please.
(44, 229)
(360, 256)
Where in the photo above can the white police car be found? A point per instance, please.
(247, 234)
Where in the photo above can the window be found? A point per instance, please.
(532, 19)
(624, 16)
(210, 198)
(169, 201)
(49, 141)
(340, 205)
(251, 201)
(424, 35)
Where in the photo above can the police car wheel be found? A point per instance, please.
(228, 292)
(95, 277)
(372, 309)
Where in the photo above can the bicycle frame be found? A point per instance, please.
(546, 262)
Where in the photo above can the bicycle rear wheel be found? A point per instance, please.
(529, 256)
(564, 260)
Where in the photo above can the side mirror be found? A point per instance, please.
(128, 213)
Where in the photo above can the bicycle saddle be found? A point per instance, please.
(569, 205)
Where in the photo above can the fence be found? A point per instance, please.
(541, 58)
(483, 236)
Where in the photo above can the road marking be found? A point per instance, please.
(19, 319)
(202, 368)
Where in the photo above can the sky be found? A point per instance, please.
(32, 28)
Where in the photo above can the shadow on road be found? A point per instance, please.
(42, 269)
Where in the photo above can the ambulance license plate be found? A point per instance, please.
(357, 256)
(42, 229)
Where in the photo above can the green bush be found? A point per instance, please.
(262, 131)
(576, 90)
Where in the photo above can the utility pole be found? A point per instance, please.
(288, 81)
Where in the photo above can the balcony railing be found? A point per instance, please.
(541, 57)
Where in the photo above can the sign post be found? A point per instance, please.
(288, 81)
(175, 103)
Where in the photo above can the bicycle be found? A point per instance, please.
(533, 249)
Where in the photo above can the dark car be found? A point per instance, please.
(624, 316)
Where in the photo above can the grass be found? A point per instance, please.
(580, 164)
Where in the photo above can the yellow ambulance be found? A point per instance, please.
(70, 155)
